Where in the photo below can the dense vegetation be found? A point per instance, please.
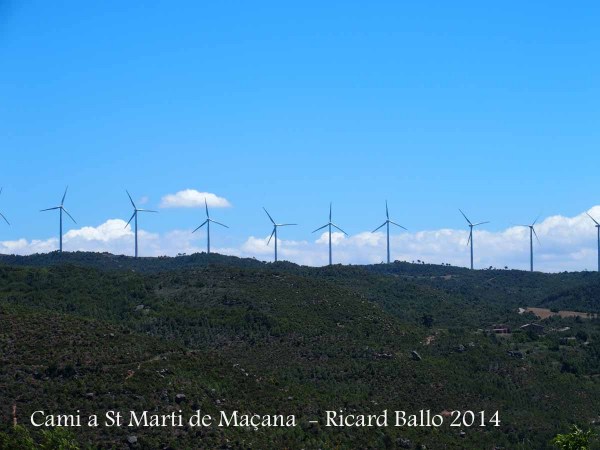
(95, 332)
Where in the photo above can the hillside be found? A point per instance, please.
(97, 332)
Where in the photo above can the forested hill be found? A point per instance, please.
(108, 261)
(97, 332)
(568, 290)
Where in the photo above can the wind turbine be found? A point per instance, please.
(61, 209)
(136, 210)
(531, 233)
(2, 215)
(330, 224)
(207, 223)
(598, 229)
(274, 233)
(387, 224)
(471, 226)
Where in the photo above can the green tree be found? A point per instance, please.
(58, 439)
(427, 320)
(18, 437)
(577, 439)
(581, 336)
(53, 439)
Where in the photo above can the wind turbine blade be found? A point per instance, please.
(481, 223)
(398, 225)
(147, 210)
(62, 202)
(203, 223)
(271, 235)
(286, 224)
(465, 216)
(218, 223)
(536, 219)
(379, 226)
(387, 214)
(67, 213)
(320, 228)
(130, 199)
(595, 221)
(49, 209)
(2, 215)
(469, 240)
(536, 236)
(334, 225)
(330, 211)
(206, 206)
(131, 218)
(272, 221)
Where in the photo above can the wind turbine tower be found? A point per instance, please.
(61, 209)
(531, 234)
(274, 233)
(471, 226)
(598, 230)
(329, 225)
(387, 225)
(207, 223)
(136, 210)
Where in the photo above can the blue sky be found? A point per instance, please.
(433, 106)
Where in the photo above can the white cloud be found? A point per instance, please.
(336, 238)
(258, 246)
(567, 243)
(191, 198)
(111, 236)
(24, 247)
(112, 229)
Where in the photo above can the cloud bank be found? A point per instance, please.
(191, 198)
(566, 243)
